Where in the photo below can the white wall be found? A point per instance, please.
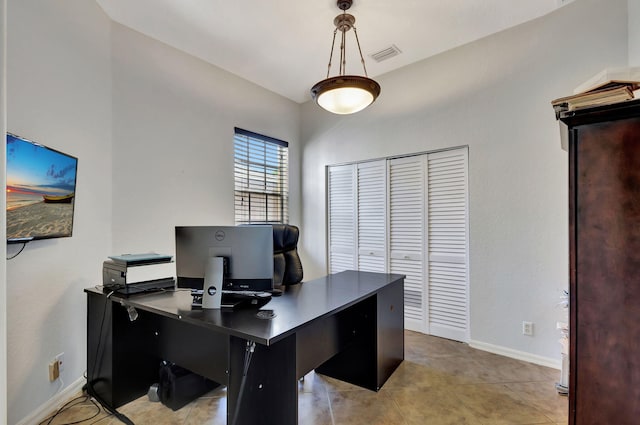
(173, 125)
(59, 94)
(153, 130)
(634, 32)
(494, 96)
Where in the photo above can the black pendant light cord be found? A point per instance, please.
(360, 50)
(333, 43)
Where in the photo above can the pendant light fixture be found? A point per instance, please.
(345, 94)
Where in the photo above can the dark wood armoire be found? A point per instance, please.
(604, 245)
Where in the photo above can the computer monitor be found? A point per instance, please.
(249, 250)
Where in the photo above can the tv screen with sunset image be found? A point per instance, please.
(41, 189)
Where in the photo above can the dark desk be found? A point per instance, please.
(348, 326)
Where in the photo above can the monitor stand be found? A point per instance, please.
(213, 278)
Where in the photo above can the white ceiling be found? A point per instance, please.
(283, 45)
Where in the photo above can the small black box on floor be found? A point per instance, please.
(179, 386)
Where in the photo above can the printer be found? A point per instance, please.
(120, 272)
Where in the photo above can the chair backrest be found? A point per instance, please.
(287, 267)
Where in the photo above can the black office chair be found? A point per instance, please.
(287, 267)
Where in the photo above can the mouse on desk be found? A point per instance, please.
(276, 292)
(265, 314)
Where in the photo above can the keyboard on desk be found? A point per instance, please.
(231, 299)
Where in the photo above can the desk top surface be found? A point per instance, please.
(296, 307)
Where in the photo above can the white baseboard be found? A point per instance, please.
(54, 403)
(518, 355)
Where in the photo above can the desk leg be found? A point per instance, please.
(390, 331)
(378, 347)
(356, 361)
(270, 394)
(120, 363)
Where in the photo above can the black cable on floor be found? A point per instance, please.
(121, 417)
(68, 405)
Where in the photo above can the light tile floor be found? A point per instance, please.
(440, 382)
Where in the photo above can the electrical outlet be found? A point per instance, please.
(56, 367)
(527, 328)
(60, 360)
(54, 372)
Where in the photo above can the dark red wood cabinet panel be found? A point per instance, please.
(604, 225)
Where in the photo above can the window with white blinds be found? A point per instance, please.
(261, 178)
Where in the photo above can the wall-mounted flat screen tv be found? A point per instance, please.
(41, 189)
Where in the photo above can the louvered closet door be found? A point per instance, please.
(407, 234)
(372, 213)
(342, 218)
(424, 206)
(448, 296)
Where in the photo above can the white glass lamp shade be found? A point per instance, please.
(345, 94)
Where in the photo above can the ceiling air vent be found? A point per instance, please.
(385, 54)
